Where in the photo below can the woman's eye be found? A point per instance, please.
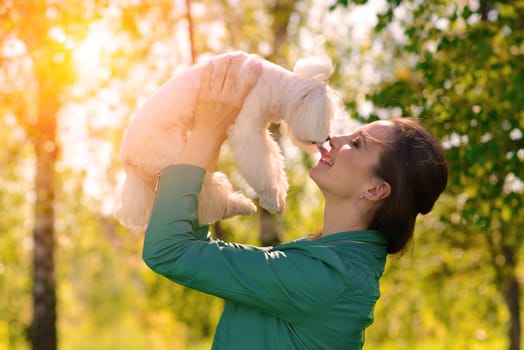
(355, 142)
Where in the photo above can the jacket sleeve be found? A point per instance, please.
(287, 283)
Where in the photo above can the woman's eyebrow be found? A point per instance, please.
(368, 139)
(364, 137)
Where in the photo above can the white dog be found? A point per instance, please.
(301, 99)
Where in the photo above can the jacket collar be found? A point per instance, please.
(364, 236)
(371, 237)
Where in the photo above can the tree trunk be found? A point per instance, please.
(485, 6)
(511, 295)
(190, 34)
(43, 332)
(282, 11)
(270, 229)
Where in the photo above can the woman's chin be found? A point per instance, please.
(317, 170)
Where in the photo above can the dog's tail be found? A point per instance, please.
(136, 199)
(320, 68)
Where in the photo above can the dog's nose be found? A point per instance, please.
(320, 143)
(323, 146)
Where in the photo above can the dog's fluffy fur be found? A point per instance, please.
(301, 99)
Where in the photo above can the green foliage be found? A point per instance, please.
(467, 87)
(15, 222)
(459, 69)
(469, 91)
(346, 3)
(441, 294)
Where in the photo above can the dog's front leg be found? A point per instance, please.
(261, 163)
(218, 200)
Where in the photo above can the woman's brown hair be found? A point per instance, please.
(415, 167)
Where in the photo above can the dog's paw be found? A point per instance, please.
(218, 208)
(274, 202)
(244, 207)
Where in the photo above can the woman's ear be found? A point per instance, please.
(380, 190)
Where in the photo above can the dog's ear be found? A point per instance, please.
(312, 102)
(320, 68)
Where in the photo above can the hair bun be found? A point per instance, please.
(428, 188)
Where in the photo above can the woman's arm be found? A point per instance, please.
(289, 284)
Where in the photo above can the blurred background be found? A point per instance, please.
(73, 72)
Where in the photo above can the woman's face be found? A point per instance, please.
(347, 170)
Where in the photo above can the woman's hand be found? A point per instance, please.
(221, 96)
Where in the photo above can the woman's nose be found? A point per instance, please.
(336, 141)
(325, 147)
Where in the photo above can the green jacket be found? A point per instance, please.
(306, 294)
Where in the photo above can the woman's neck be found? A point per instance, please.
(344, 216)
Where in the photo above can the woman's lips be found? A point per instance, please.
(324, 155)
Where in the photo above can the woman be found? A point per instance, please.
(314, 293)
